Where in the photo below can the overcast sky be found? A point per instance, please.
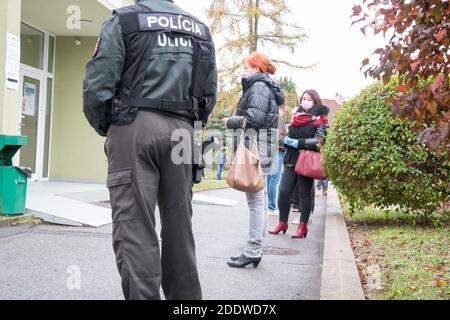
(333, 44)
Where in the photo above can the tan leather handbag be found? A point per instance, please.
(246, 173)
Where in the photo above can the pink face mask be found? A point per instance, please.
(307, 105)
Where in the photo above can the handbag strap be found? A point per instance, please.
(244, 127)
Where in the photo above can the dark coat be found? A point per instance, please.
(259, 104)
(283, 132)
(310, 136)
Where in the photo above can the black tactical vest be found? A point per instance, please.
(141, 28)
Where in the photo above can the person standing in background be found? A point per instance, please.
(273, 179)
(221, 160)
(323, 185)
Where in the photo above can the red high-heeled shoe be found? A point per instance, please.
(281, 227)
(301, 232)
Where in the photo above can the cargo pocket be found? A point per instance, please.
(121, 195)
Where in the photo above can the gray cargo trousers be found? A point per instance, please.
(141, 173)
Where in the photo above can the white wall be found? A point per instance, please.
(113, 4)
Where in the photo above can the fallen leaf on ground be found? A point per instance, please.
(437, 283)
(429, 267)
(372, 259)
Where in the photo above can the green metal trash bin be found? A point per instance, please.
(13, 180)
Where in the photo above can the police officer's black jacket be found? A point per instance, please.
(310, 136)
(259, 104)
(145, 57)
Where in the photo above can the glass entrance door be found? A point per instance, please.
(30, 123)
(29, 126)
(36, 92)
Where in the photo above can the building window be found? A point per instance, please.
(51, 53)
(32, 47)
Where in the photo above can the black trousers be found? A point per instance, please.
(141, 173)
(288, 183)
(295, 197)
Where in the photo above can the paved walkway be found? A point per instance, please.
(36, 261)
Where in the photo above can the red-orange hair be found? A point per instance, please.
(262, 61)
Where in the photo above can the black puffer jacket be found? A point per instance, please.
(259, 104)
(309, 136)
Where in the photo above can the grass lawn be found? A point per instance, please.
(399, 258)
(210, 184)
(212, 174)
(209, 180)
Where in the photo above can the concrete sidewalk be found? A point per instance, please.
(82, 204)
(38, 262)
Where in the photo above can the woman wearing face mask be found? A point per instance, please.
(258, 112)
(307, 131)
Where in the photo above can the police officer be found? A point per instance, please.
(153, 71)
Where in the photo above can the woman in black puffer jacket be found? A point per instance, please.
(307, 131)
(258, 111)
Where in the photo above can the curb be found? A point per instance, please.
(9, 221)
(340, 277)
(210, 189)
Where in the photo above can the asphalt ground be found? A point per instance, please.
(67, 263)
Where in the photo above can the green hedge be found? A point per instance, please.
(373, 158)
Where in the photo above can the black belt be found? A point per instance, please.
(166, 105)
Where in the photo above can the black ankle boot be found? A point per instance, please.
(243, 261)
(237, 258)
